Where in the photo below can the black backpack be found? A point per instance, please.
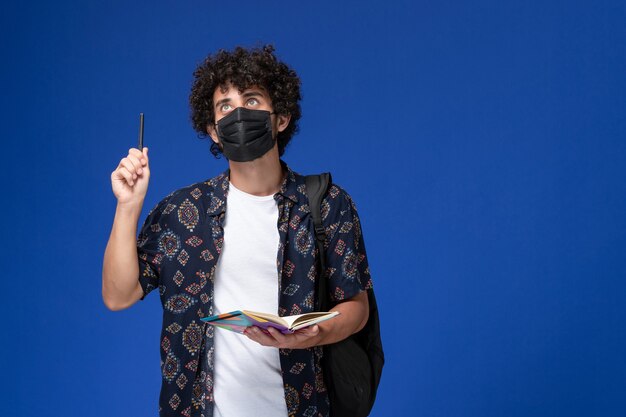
(352, 367)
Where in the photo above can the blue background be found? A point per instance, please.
(484, 144)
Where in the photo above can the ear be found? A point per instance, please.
(283, 121)
(210, 129)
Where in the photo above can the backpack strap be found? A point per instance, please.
(353, 392)
(316, 187)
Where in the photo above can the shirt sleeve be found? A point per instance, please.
(149, 248)
(347, 268)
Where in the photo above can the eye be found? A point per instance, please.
(252, 102)
(225, 107)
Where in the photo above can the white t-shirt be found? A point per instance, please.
(247, 376)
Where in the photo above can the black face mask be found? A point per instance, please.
(245, 134)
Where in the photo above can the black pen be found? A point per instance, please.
(140, 147)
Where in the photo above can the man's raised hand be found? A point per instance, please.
(130, 179)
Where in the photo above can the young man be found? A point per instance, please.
(243, 239)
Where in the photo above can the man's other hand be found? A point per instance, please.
(301, 339)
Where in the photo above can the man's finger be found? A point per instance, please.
(128, 177)
(309, 331)
(127, 163)
(141, 156)
(257, 335)
(280, 338)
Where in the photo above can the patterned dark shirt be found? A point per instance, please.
(179, 245)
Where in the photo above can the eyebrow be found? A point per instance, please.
(252, 94)
(220, 102)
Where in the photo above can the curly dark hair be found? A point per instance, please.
(245, 68)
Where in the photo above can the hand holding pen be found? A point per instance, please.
(130, 179)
